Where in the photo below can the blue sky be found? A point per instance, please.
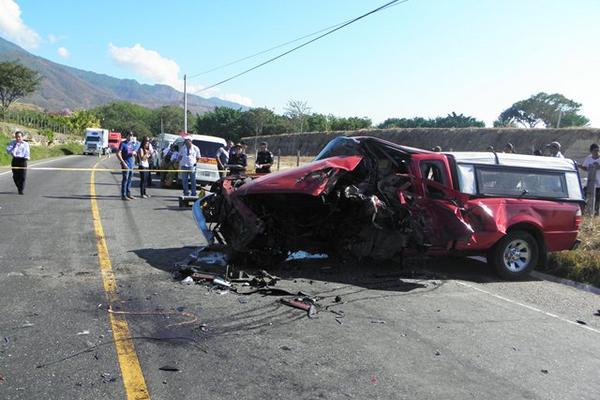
(421, 58)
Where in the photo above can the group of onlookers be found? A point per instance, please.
(131, 152)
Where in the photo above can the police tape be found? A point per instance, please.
(112, 169)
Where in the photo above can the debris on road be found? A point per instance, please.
(187, 280)
(580, 322)
(303, 303)
(304, 255)
(169, 368)
(544, 371)
(84, 332)
(597, 313)
(377, 321)
(27, 324)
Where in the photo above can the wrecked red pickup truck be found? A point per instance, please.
(364, 197)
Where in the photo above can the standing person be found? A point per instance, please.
(237, 160)
(554, 149)
(126, 156)
(19, 151)
(189, 156)
(223, 157)
(145, 154)
(589, 161)
(264, 159)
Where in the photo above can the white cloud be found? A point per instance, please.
(237, 98)
(53, 38)
(150, 65)
(13, 28)
(64, 53)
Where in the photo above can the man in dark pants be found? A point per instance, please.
(237, 160)
(126, 156)
(19, 150)
(264, 159)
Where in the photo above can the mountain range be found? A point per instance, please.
(67, 87)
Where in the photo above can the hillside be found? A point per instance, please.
(67, 87)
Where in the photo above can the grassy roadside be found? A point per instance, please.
(39, 152)
(583, 264)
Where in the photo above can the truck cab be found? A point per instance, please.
(114, 141)
(96, 141)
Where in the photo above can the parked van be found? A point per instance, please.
(207, 170)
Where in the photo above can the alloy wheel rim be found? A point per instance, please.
(517, 255)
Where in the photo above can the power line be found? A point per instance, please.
(302, 45)
(276, 47)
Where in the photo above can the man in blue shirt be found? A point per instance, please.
(19, 151)
(126, 156)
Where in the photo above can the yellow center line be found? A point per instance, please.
(131, 371)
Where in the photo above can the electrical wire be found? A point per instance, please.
(218, 67)
(301, 45)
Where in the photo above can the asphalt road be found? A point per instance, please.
(441, 328)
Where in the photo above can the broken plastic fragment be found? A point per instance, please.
(187, 281)
(303, 255)
(201, 221)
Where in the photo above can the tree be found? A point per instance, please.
(452, 120)
(256, 119)
(297, 111)
(553, 110)
(172, 119)
(16, 81)
(223, 122)
(123, 117)
(82, 119)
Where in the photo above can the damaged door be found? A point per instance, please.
(441, 205)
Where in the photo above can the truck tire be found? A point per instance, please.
(515, 255)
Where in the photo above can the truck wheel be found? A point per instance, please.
(515, 255)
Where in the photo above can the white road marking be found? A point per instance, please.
(38, 163)
(528, 307)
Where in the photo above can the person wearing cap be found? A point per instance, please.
(126, 156)
(19, 151)
(189, 156)
(237, 160)
(264, 159)
(509, 148)
(554, 149)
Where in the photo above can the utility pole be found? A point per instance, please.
(185, 127)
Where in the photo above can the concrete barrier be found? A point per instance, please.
(575, 141)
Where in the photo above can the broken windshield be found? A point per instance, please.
(340, 147)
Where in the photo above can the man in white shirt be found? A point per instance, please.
(19, 151)
(554, 149)
(189, 155)
(588, 162)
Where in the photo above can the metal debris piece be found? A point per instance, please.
(597, 313)
(187, 280)
(338, 299)
(580, 322)
(544, 371)
(377, 321)
(303, 303)
(84, 332)
(304, 255)
(169, 368)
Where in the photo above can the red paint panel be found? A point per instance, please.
(299, 179)
(491, 218)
